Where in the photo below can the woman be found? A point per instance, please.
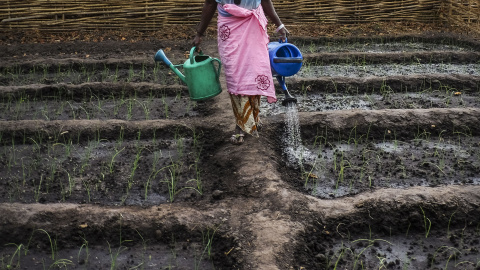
(242, 45)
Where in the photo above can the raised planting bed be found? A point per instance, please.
(105, 162)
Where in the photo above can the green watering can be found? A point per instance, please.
(201, 75)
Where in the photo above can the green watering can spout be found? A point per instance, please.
(202, 76)
(160, 56)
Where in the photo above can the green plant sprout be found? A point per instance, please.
(134, 168)
(11, 264)
(207, 239)
(444, 249)
(342, 165)
(111, 164)
(120, 249)
(425, 219)
(53, 244)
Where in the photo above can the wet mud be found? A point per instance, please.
(105, 161)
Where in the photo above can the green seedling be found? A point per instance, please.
(110, 166)
(444, 249)
(342, 165)
(425, 220)
(12, 264)
(61, 263)
(37, 189)
(53, 244)
(120, 249)
(165, 106)
(88, 187)
(134, 168)
(130, 105)
(131, 74)
(114, 255)
(145, 109)
(105, 73)
(371, 242)
(207, 239)
(87, 252)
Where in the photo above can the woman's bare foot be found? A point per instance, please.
(238, 137)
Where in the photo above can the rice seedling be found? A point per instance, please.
(172, 181)
(425, 220)
(207, 240)
(197, 149)
(114, 255)
(88, 188)
(385, 90)
(14, 262)
(53, 244)
(112, 160)
(61, 263)
(142, 72)
(145, 108)
(105, 73)
(144, 250)
(131, 74)
(85, 247)
(165, 105)
(134, 168)
(343, 164)
(37, 189)
(452, 251)
(99, 106)
(369, 244)
(87, 155)
(121, 248)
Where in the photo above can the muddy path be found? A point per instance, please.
(106, 162)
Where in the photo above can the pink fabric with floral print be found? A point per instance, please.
(242, 44)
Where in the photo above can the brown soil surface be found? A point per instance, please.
(253, 209)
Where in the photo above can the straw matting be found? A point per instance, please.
(150, 15)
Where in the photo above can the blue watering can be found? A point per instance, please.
(285, 60)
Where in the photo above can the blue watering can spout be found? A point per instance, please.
(288, 97)
(161, 57)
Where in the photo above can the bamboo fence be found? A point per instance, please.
(148, 15)
(462, 13)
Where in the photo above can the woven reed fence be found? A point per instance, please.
(148, 15)
(462, 13)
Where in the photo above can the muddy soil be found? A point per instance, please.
(106, 162)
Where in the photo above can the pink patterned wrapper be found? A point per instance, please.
(242, 45)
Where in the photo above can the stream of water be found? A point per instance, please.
(294, 150)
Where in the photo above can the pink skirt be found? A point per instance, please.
(242, 45)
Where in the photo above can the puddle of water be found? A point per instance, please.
(332, 192)
(321, 102)
(390, 147)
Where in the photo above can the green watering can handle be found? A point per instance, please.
(192, 52)
(219, 66)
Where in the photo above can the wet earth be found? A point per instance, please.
(106, 162)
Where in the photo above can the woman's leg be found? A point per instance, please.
(245, 110)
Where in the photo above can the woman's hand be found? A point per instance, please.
(196, 41)
(283, 33)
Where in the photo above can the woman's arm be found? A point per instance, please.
(269, 10)
(208, 11)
